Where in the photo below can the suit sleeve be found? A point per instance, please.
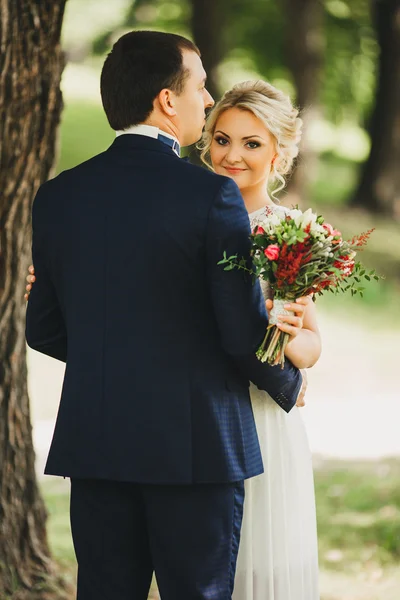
(238, 302)
(45, 326)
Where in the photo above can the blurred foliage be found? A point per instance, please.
(164, 15)
(254, 43)
(358, 512)
(254, 36)
(84, 132)
(350, 61)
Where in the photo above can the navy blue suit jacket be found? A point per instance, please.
(158, 339)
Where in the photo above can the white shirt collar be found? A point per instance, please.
(148, 130)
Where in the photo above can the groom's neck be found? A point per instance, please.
(164, 125)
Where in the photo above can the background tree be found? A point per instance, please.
(284, 43)
(304, 52)
(207, 25)
(379, 186)
(31, 64)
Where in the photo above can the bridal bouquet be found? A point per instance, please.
(299, 254)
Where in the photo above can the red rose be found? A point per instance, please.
(259, 231)
(272, 252)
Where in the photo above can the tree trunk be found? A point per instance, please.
(379, 187)
(31, 63)
(304, 50)
(207, 22)
(207, 28)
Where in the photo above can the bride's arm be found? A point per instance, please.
(304, 346)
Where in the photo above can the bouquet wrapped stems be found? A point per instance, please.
(273, 346)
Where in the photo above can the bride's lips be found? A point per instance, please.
(234, 170)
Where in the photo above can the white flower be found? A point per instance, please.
(296, 215)
(270, 223)
(309, 218)
(304, 219)
(274, 219)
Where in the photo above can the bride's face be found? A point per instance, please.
(242, 148)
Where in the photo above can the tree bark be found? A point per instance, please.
(207, 27)
(31, 63)
(304, 51)
(379, 186)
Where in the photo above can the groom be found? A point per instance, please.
(155, 426)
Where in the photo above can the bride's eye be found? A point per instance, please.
(253, 145)
(221, 140)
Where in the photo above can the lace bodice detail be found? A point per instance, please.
(256, 218)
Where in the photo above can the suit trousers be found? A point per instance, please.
(187, 534)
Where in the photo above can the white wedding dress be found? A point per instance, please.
(278, 553)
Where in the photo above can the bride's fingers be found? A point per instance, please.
(290, 329)
(31, 270)
(295, 308)
(304, 300)
(269, 304)
(294, 320)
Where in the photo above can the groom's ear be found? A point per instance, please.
(166, 102)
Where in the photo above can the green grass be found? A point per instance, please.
(56, 493)
(358, 511)
(379, 308)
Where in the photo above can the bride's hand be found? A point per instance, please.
(30, 279)
(300, 399)
(292, 324)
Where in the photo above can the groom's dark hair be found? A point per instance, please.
(139, 66)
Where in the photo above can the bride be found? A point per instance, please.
(252, 136)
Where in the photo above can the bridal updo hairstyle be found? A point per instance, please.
(274, 109)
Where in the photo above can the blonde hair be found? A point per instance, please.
(274, 109)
